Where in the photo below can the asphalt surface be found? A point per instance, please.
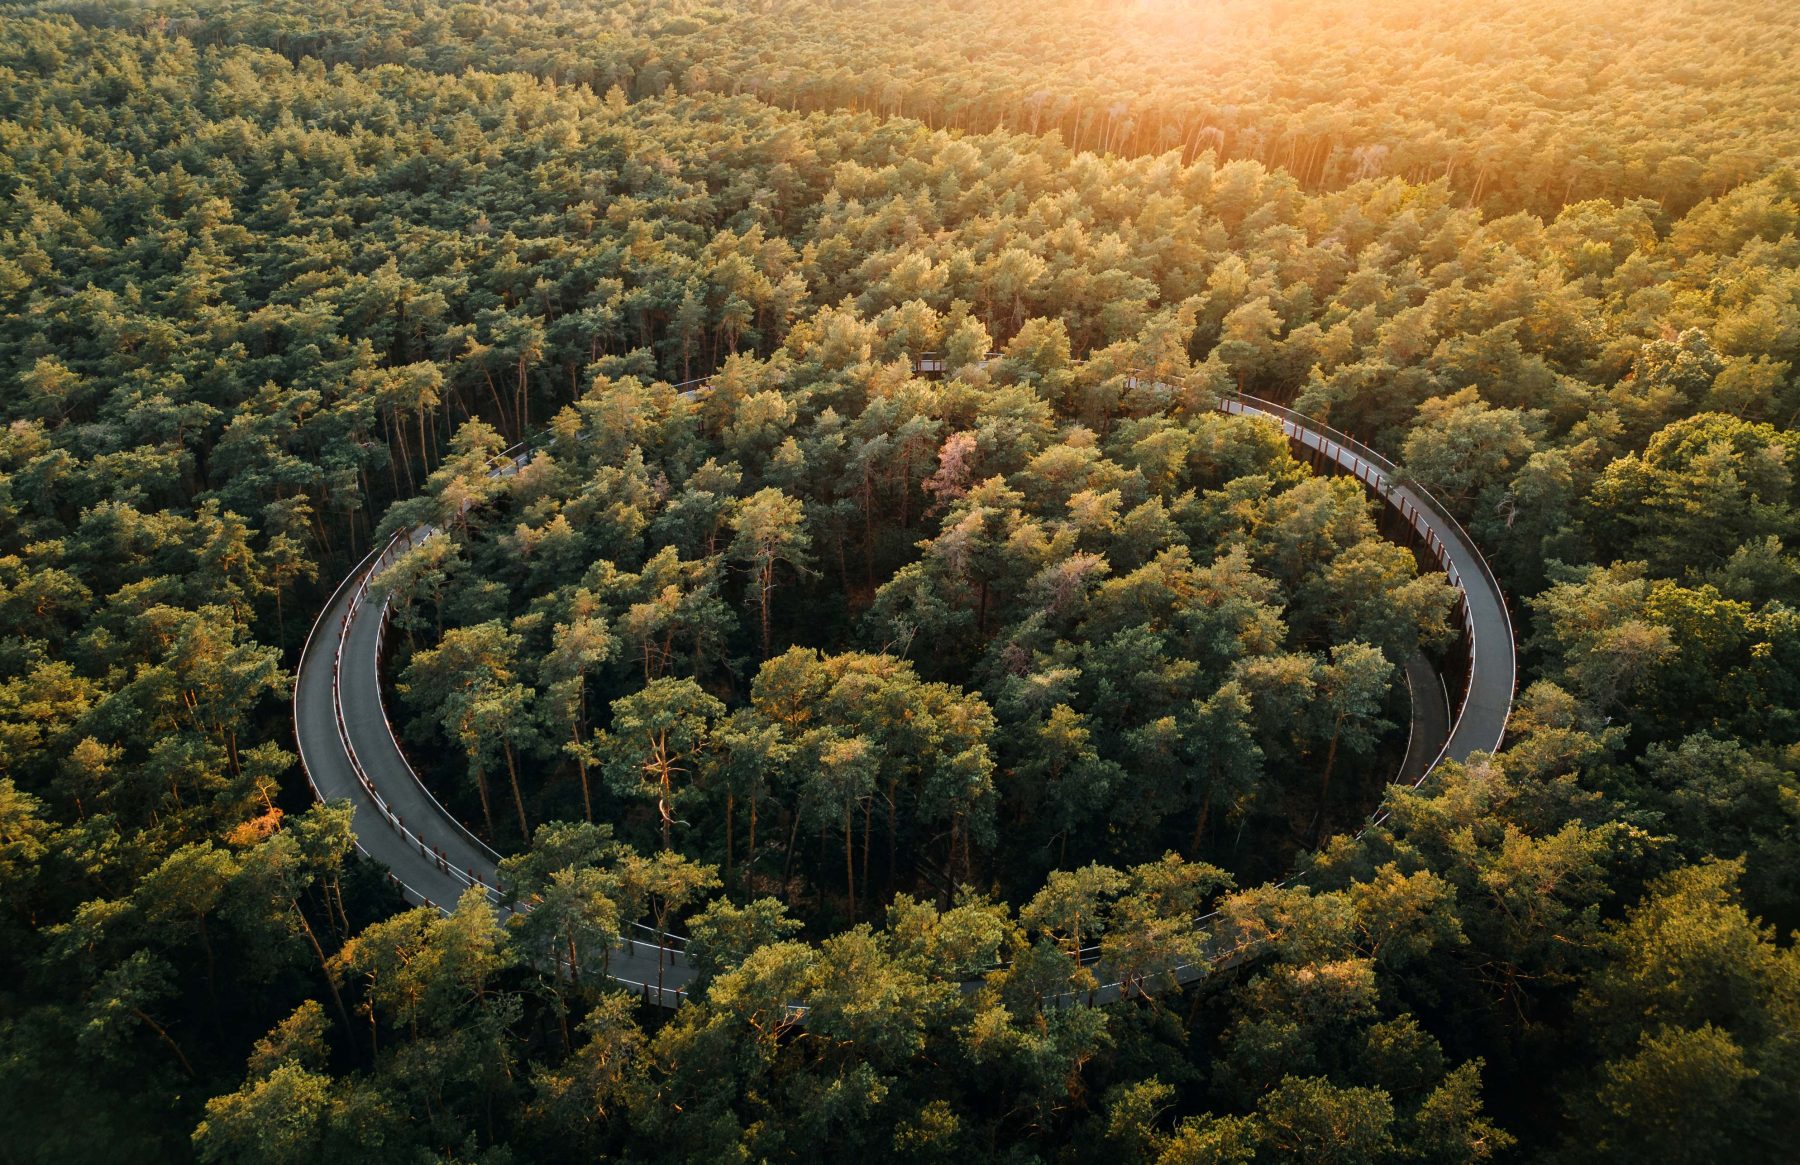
(1430, 727)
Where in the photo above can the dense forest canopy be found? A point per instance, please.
(1038, 653)
(1014, 637)
(1535, 104)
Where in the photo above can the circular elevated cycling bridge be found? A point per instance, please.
(349, 749)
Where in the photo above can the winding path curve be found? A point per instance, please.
(349, 750)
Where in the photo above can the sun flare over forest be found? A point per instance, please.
(1157, 582)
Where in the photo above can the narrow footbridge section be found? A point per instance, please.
(350, 751)
(1486, 686)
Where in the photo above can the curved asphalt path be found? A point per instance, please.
(349, 751)
(1479, 724)
(1430, 727)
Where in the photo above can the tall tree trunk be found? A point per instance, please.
(412, 486)
(162, 1033)
(1330, 762)
(337, 899)
(499, 405)
(787, 866)
(512, 771)
(665, 797)
(893, 832)
(587, 800)
(849, 861)
(387, 423)
(325, 969)
(730, 822)
(487, 808)
(1200, 826)
(768, 585)
(868, 838)
(750, 845)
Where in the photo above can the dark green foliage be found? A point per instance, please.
(897, 690)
